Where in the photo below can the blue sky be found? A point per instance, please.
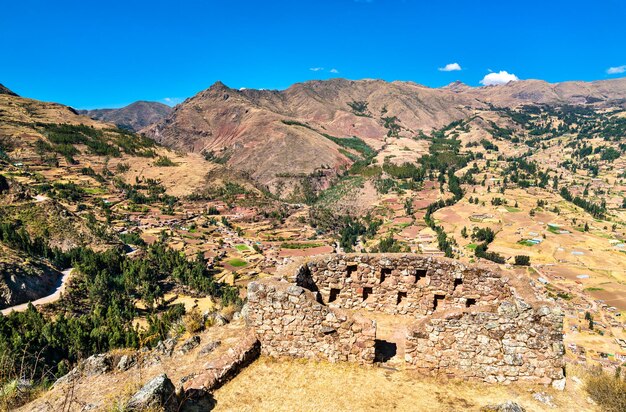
(90, 54)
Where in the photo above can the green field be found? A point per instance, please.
(554, 229)
(236, 262)
(242, 248)
(95, 190)
(300, 245)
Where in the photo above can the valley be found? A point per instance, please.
(166, 223)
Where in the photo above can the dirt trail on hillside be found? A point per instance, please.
(53, 297)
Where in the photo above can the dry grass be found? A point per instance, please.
(609, 391)
(116, 402)
(13, 396)
(193, 321)
(287, 385)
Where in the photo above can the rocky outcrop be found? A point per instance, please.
(21, 282)
(218, 371)
(158, 394)
(466, 322)
(189, 344)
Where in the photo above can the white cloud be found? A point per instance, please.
(334, 71)
(502, 77)
(172, 101)
(450, 67)
(616, 70)
(316, 69)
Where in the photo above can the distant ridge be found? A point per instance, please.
(135, 116)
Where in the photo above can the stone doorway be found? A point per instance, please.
(390, 340)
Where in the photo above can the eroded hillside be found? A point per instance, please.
(302, 133)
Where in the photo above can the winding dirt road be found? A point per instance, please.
(54, 296)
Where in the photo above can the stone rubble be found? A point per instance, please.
(218, 371)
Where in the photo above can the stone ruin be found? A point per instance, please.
(454, 320)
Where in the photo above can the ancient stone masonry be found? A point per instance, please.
(291, 322)
(514, 342)
(463, 321)
(401, 284)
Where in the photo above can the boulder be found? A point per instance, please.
(559, 384)
(508, 406)
(96, 365)
(166, 347)
(126, 361)
(210, 347)
(544, 398)
(215, 319)
(159, 393)
(189, 344)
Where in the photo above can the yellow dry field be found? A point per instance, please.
(183, 179)
(294, 385)
(400, 150)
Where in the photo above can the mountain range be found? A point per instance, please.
(274, 134)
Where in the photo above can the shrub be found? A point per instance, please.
(522, 260)
(359, 108)
(607, 391)
(122, 167)
(164, 161)
(194, 321)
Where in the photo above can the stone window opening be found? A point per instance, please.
(457, 282)
(350, 270)
(366, 293)
(470, 302)
(384, 272)
(420, 274)
(334, 293)
(401, 297)
(438, 299)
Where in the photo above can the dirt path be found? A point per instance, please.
(46, 299)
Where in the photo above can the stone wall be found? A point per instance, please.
(290, 322)
(461, 321)
(401, 284)
(513, 342)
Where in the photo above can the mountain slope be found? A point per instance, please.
(273, 135)
(4, 90)
(135, 116)
(63, 178)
